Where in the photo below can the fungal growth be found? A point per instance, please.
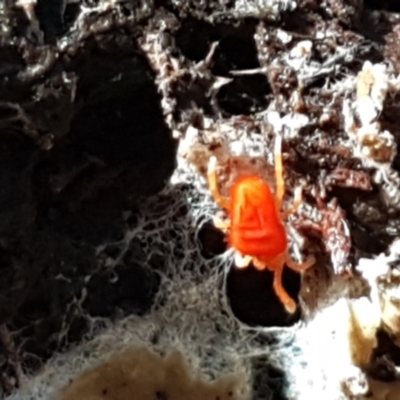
(255, 225)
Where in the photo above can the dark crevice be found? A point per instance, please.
(253, 300)
(375, 26)
(50, 15)
(236, 46)
(387, 5)
(269, 382)
(212, 240)
(110, 149)
(11, 63)
(244, 95)
(236, 51)
(127, 289)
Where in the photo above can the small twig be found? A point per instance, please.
(249, 71)
(208, 59)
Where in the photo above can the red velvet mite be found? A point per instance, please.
(255, 225)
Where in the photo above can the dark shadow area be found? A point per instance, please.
(53, 300)
(302, 22)
(368, 220)
(268, 381)
(118, 147)
(244, 95)
(387, 5)
(17, 217)
(125, 290)
(50, 14)
(236, 46)
(236, 50)
(11, 88)
(366, 242)
(385, 359)
(375, 26)
(212, 240)
(253, 300)
(194, 93)
(108, 148)
(396, 162)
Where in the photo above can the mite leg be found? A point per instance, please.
(299, 267)
(298, 199)
(279, 181)
(242, 261)
(280, 291)
(221, 223)
(213, 184)
(259, 264)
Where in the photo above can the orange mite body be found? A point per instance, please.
(256, 229)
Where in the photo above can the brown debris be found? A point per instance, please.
(345, 177)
